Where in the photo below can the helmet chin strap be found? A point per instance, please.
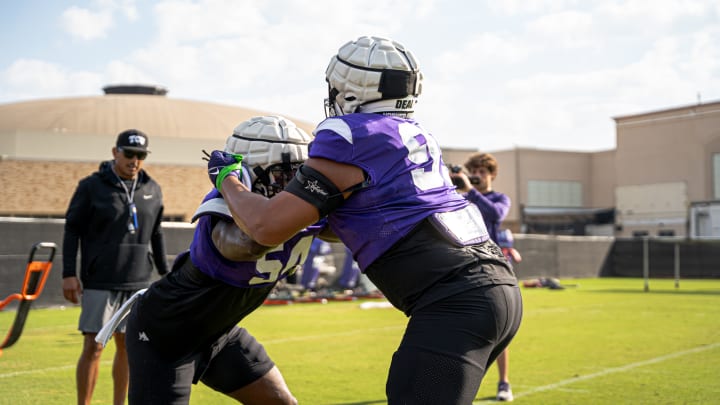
(331, 106)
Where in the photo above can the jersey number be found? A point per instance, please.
(420, 153)
(274, 269)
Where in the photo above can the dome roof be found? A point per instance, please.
(84, 129)
(110, 114)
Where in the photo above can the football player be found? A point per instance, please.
(378, 177)
(184, 328)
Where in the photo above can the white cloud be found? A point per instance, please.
(181, 21)
(567, 29)
(482, 52)
(515, 7)
(29, 78)
(94, 24)
(85, 24)
(129, 9)
(118, 72)
(655, 11)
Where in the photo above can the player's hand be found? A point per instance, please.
(222, 164)
(461, 182)
(72, 289)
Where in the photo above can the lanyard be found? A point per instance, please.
(132, 225)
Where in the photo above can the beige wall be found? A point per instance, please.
(603, 175)
(667, 150)
(518, 166)
(670, 146)
(45, 188)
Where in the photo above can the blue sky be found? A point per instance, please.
(549, 74)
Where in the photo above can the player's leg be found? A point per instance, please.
(269, 389)
(96, 308)
(504, 392)
(243, 370)
(445, 351)
(88, 368)
(155, 378)
(448, 346)
(503, 365)
(120, 370)
(511, 295)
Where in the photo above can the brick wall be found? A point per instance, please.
(31, 188)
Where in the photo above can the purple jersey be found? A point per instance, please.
(277, 264)
(407, 180)
(493, 206)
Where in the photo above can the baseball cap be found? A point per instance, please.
(134, 140)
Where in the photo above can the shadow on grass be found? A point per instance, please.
(651, 291)
(490, 398)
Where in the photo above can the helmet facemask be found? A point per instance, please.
(373, 75)
(274, 178)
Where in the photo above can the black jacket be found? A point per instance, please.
(113, 258)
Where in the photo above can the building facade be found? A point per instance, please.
(666, 162)
(663, 172)
(47, 146)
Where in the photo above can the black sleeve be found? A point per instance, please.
(76, 220)
(157, 242)
(316, 189)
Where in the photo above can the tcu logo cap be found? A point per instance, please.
(133, 139)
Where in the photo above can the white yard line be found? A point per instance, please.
(48, 369)
(611, 370)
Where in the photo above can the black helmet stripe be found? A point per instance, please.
(244, 138)
(394, 83)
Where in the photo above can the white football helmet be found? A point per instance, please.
(272, 147)
(373, 75)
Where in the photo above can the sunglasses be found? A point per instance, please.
(129, 154)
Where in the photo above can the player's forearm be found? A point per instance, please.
(268, 222)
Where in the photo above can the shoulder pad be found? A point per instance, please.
(216, 206)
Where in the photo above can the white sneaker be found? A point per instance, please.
(504, 392)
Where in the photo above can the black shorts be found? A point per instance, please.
(464, 306)
(236, 360)
(184, 330)
(449, 345)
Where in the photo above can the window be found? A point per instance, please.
(716, 176)
(543, 193)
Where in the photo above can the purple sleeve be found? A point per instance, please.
(494, 207)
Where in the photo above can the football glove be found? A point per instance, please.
(222, 164)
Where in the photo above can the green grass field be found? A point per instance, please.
(604, 342)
